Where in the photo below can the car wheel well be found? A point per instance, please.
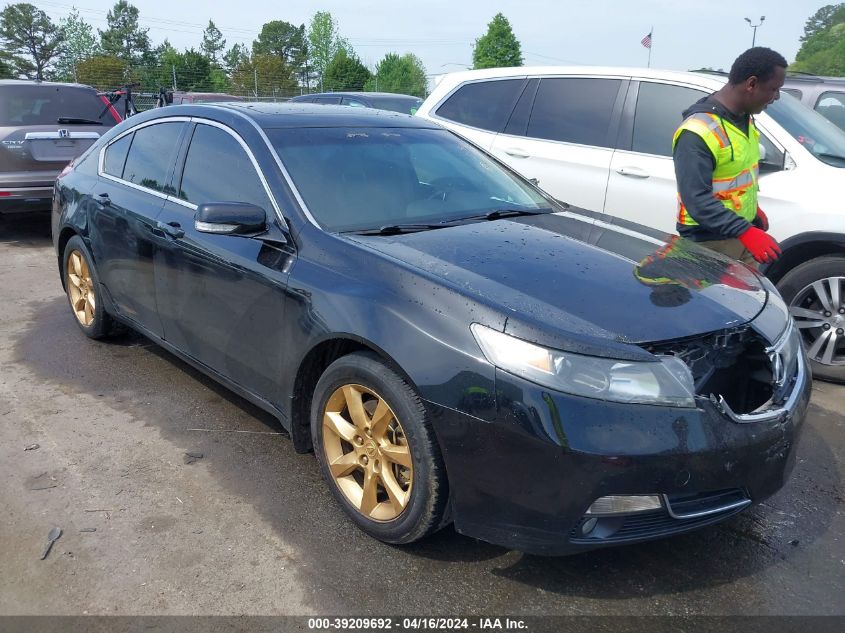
(64, 238)
(310, 369)
(798, 254)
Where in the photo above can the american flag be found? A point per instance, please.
(646, 41)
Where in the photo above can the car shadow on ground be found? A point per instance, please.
(25, 230)
(447, 572)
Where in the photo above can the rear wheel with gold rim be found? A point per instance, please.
(82, 288)
(376, 448)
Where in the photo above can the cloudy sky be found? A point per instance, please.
(441, 32)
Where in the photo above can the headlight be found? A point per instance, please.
(667, 382)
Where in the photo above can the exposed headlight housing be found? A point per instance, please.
(667, 382)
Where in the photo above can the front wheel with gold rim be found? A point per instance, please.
(82, 288)
(377, 450)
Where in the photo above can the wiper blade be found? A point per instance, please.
(395, 229)
(834, 156)
(502, 213)
(76, 120)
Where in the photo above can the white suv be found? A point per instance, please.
(601, 139)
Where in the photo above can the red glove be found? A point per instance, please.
(761, 221)
(760, 244)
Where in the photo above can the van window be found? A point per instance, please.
(659, 112)
(483, 104)
(574, 110)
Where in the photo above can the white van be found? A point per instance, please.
(601, 139)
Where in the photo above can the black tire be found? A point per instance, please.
(797, 290)
(427, 498)
(100, 325)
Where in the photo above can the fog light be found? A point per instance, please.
(589, 526)
(623, 504)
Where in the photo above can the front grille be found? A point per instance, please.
(658, 523)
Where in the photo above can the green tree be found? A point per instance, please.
(324, 42)
(124, 38)
(104, 72)
(823, 48)
(80, 43)
(213, 43)
(345, 72)
(498, 48)
(823, 19)
(402, 74)
(284, 40)
(235, 57)
(264, 75)
(30, 38)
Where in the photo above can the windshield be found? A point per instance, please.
(366, 178)
(819, 136)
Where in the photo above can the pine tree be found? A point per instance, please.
(498, 48)
(30, 39)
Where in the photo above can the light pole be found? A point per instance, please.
(754, 26)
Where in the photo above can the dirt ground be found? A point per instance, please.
(250, 527)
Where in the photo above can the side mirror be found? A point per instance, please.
(230, 218)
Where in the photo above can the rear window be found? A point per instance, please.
(45, 105)
(396, 104)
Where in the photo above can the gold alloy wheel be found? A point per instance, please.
(367, 452)
(80, 287)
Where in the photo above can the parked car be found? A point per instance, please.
(826, 95)
(406, 104)
(203, 97)
(43, 125)
(453, 344)
(601, 138)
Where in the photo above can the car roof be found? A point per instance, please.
(298, 114)
(710, 80)
(46, 84)
(366, 95)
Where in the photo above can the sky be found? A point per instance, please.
(686, 35)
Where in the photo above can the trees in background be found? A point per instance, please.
(823, 49)
(345, 72)
(498, 47)
(30, 40)
(399, 73)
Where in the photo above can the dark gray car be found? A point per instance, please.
(43, 126)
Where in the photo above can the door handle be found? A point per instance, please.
(633, 172)
(517, 153)
(173, 229)
(104, 199)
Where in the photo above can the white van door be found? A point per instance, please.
(566, 141)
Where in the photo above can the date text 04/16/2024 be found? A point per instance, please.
(416, 623)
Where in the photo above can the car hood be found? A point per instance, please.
(567, 274)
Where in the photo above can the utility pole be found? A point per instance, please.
(754, 26)
(255, 74)
(173, 66)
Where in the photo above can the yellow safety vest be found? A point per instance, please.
(737, 163)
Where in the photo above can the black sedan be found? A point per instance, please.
(453, 344)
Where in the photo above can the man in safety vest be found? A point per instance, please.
(716, 151)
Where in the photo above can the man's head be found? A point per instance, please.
(757, 77)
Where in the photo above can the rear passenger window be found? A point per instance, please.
(483, 104)
(793, 91)
(152, 154)
(660, 110)
(574, 110)
(116, 156)
(217, 169)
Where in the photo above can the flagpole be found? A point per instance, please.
(651, 34)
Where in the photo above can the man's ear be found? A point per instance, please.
(751, 83)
